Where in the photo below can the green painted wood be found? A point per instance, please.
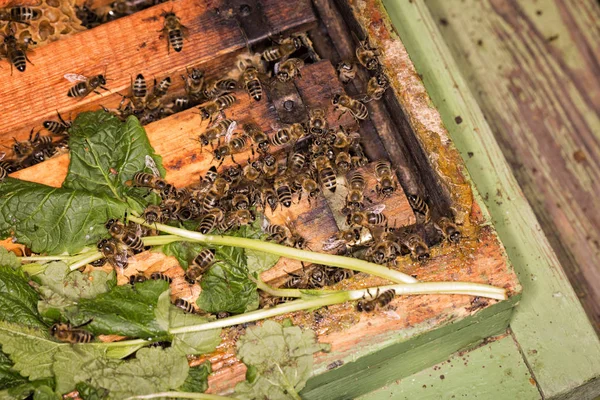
(558, 342)
(533, 67)
(408, 355)
(493, 371)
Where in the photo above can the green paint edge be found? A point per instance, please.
(407, 355)
(557, 340)
(492, 371)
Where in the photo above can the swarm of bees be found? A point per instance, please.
(297, 161)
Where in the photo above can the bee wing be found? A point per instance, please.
(230, 130)
(264, 223)
(332, 243)
(151, 165)
(75, 78)
(376, 209)
(276, 68)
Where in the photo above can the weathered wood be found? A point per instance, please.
(550, 326)
(122, 49)
(534, 69)
(492, 371)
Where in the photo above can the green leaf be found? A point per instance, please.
(61, 288)
(31, 349)
(197, 379)
(281, 359)
(105, 153)
(227, 287)
(9, 377)
(8, 259)
(153, 370)
(25, 390)
(193, 342)
(184, 252)
(259, 261)
(123, 311)
(51, 220)
(45, 393)
(168, 316)
(88, 392)
(18, 300)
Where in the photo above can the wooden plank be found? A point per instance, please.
(492, 371)
(555, 336)
(124, 48)
(534, 68)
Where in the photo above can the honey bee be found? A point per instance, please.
(343, 162)
(377, 86)
(210, 109)
(219, 87)
(71, 334)
(346, 71)
(336, 275)
(380, 300)
(355, 197)
(89, 18)
(383, 251)
(373, 216)
(174, 31)
(448, 229)
(317, 124)
(137, 278)
(210, 220)
(217, 191)
(3, 174)
(386, 183)
(139, 90)
(59, 127)
(308, 185)
(222, 128)
(153, 214)
(159, 185)
(203, 261)
(159, 91)
(19, 14)
(313, 278)
(367, 56)
(283, 49)
(238, 218)
(289, 69)
(346, 104)
(260, 138)
(251, 83)
(297, 131)
(126, 234)
(326, 173)
(26, 148)
(268, 301)
(85, 85)
(253, 170)
(185, 305)
(270, 198)
(476, 304)
(236, 145)
(15, 52)
(159, 276)
(284, 193)
(240, 201)
(281, 137)
(296, 163)
(417, 247)
(284, 234)
(346, 238)
(419, 205)
(194, 82)
(115, 253)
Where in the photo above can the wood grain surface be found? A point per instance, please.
(551, 329)
(534, 68)
(122, 49)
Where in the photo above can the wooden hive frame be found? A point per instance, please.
(404, 127)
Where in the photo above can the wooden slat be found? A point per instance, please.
(534, 69)
(553, 333)
(124, 48)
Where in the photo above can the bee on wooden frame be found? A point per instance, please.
(289, 69)
(19, 14)
(85, 85)
(346, 104)
(59, 127)
(346, 71)
(367, 55)
(174, 31)
(15, 52)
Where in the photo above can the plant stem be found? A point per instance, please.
(284, 251)
(44, 258)
(160, 240)
(465, 288)
(82, 262)
(181, 395)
